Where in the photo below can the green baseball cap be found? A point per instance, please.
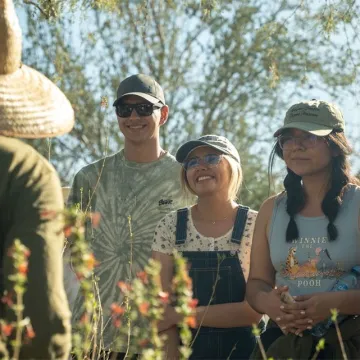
(220, 143)
(315, 116)
(140, 85)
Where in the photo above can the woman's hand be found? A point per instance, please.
(314, 308)
(170, 319)
(273, 307)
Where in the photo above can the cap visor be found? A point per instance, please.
(149, 98)
(308, 127)
(184, 150)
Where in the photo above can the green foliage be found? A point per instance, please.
(144, 308)
(16, 333)
(227, 67)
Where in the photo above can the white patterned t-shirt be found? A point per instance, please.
(165, 238)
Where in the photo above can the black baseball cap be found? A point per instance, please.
(141, 85)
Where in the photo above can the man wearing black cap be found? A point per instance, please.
(137, 186)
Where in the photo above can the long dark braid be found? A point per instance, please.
(295, 202)
(340, 178)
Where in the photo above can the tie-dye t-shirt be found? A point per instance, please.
(144, 191)
(312, 263)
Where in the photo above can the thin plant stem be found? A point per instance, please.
(81, 198)
(316, 353)
(334, 318)
(320, 346)
(262, 350)
(100, 315)
(338, 332)
(95, 329)
(232, 350)
(129, 327)
(19, 316)
(130, 281)
(99, 177)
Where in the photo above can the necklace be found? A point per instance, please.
(213, 222)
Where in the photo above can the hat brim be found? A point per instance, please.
(150, 98)
(308, 127)
(32, 106)
(185, 149)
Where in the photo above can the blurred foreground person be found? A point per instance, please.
(31, 106)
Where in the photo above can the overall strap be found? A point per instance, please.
(240, 222)
(181, 226)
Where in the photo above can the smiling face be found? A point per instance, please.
(204, 179)
(307, 157)
(139, 129)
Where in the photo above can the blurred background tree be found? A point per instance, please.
(227, 67)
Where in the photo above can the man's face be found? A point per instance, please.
(139, 128)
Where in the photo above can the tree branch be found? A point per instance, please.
(48, 16)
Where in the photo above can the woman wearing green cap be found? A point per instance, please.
(306, 244)
(215, 236)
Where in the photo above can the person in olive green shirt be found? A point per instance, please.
(31, 106)
(29, 186)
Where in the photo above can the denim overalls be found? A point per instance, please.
(218, 343)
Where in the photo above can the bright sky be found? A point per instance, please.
(350, 106)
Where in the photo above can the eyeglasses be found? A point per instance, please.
(125, 110)
(209, 160)
(288, 142)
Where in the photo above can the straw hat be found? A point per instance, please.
(31, 106)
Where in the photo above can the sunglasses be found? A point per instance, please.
(288, 142)
(125, 110)
(209, 160)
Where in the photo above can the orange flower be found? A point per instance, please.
(23, 268)
(143, 342)
(95, 219)
(117, 322)
(117, 309)
(7, 329)
(84, 318)
(193, 303)
(79, 276)
(90, 261)
(124, 287)
(27, 252)
(144, 308)
(68, 231)
(48, 214)
(191, 321)
(30, 333)
(188, 280)
(6, 299)
(142, 275)
(164, 297)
